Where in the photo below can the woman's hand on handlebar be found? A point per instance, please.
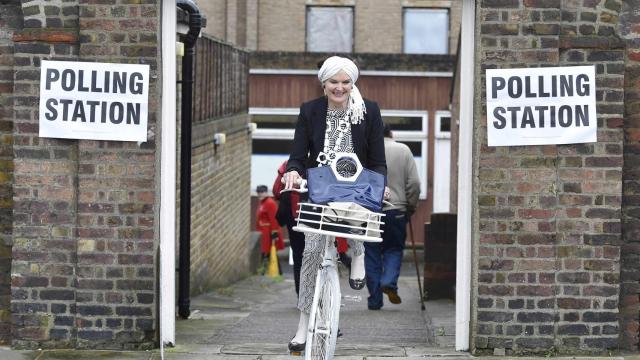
(291, 179)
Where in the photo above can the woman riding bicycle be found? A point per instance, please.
(340, 121)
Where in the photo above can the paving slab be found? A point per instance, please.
(258, 316)
(205, 357)
(370, 350)
(94, 355)
(255, 348)
(301, 357)
(435, 352)
(413, 358)
(8, 354)
(559, 357)
(193, 349)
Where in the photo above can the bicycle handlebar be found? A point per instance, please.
(302, 187)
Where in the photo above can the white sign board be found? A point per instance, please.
(540, 106)
(98, 101)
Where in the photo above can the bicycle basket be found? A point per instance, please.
(345, 220)
(346, 181)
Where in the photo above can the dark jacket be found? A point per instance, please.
(308, 142)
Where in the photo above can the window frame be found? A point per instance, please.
(414, 136)
(438, 118)
(448, 29)
(306, 26)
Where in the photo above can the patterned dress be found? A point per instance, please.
(337, 138)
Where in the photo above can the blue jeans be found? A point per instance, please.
(383, 260)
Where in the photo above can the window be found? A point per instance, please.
(272, 142)
(329, 29)
(442, 162)
(411, 128)
(443, 124)
(426, 31)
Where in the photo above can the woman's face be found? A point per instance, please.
(338, 88)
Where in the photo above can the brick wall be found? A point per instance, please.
(215, 11)
(549, 217)
(10, 21)
(117, 191)
(378, 27)
(83, 271)
(220, 184)
(630, 274)
(234, 21)
(231, 33)
(281, 25)
(252, 25)
(220, 207)
(45, 196)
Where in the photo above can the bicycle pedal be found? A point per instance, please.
(295, 353)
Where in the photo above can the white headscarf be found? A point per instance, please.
(330, 67)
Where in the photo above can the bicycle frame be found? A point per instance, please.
(323, 321)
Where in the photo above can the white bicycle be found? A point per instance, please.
(331, 220)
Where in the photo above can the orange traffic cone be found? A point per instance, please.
(273, 269)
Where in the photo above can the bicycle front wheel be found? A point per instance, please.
(324, 316)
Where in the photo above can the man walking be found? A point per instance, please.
(383, 260)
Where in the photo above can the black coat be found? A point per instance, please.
(308, 142)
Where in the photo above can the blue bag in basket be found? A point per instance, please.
(365, 187)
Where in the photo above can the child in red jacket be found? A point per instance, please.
(267, 224)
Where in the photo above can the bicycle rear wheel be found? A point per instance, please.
(324, 316)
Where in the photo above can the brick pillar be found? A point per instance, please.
(44, 193)
(548, 256)
(116, 298)
(630, 274)
(84, 269)
(10, 21)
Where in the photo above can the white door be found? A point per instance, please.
(442, 163)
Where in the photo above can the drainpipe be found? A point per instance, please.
(195, 25)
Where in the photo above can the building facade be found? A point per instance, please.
(371, 26)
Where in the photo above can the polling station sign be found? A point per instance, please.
(540, 106)
(98, 101)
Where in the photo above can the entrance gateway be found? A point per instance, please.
(168, 175)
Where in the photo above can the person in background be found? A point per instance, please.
(267, 224)
(383, 260)
(340, 121)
